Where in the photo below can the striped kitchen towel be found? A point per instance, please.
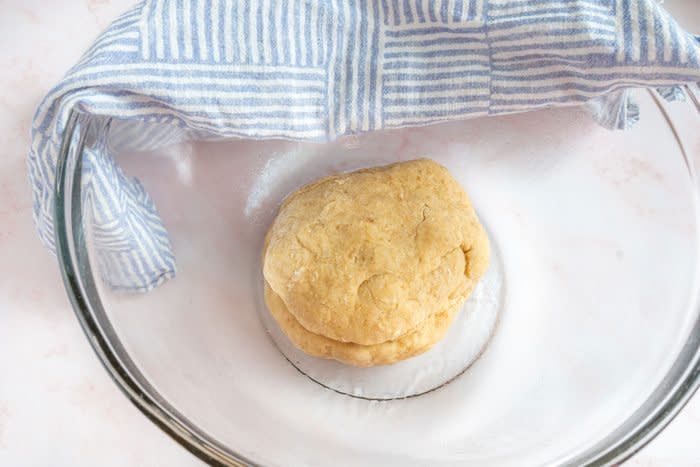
(169, 70)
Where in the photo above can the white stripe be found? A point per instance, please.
(323, 42)
(562, 93)
(187, 31)
(278, 30)
(554, 25)
(343, 76)
(666, 36)
(465, 10)
(281, 83)
(463, 92)
(111, 36)
(201, 28)
(433, 36)
(399, 10)
(287, 110)
(240, 34)
(355, 119)
(429, 75)
(137, 80)
(651, 36)
(556, 52)
(514, 108)
(254, 49)
(215, 31)
(528, 85)
(477, 63)
(228, 30)
(593, 70)
(379, 77)
(267, 48)
(409, 48)
(127, 17)
(526, 8)
(242, 68)
(479, 9)
(114, 46)
(426, 12)
(155, 92)
(417, 120)
(602, 16)
(314, 33)
(302, 30)
(119, 48)
(172, 23)
(434, 107)
(143, 25)
(634, 20)
(682, 47)
(544, 40)
(457, 81)
(620, 30)
(451, 9)
(291, 37)
(452, 30)
(331, 66)
(368, 67)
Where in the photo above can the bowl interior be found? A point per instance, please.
(598, 237)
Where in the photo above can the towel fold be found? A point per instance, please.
(174, 70)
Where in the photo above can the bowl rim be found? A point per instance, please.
(648, 420)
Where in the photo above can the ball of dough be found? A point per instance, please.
(370, 256)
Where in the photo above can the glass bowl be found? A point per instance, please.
(578, 347)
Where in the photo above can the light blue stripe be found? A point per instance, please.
(443, 11)
(416, 88)
(246, 29)
(419, 11)
(407, 11)
(395, 10)
(361, 78)
(436, 41)
(431, 11)
(285, 45)
(374, 64)
(420, 65)
(563, 46)
(434, 30)
(502, 6)
(565, 10)
(435, 113)
(409, 101)
(308, 46)
(459, 7)
(297, 33)
(408, 77)
(433, 53)
(593, 20)
(259, 33)
(338, 63)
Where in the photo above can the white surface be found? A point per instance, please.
(57, 405)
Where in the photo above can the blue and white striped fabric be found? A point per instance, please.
(169, 70)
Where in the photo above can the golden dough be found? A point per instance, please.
(368, 257)
(408, 345)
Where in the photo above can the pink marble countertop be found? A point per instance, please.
(58, 406)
